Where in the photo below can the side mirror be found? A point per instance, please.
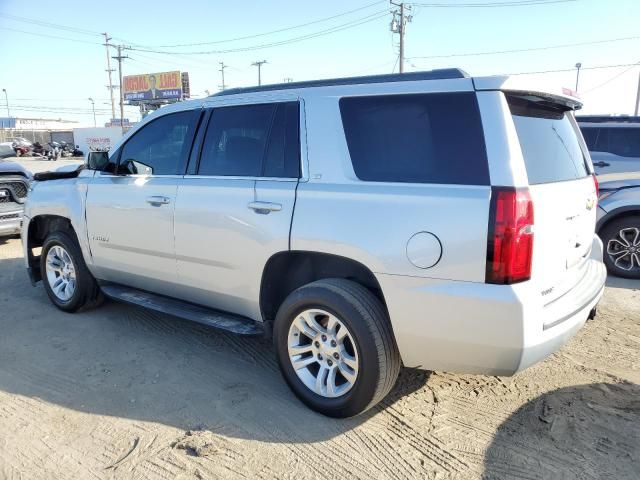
(97, 160)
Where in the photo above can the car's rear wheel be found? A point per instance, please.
(621, 239)
(67, 281)
(335, 347)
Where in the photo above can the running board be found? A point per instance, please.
(185, 310)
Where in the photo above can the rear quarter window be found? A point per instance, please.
(548, 138)
(422, 138)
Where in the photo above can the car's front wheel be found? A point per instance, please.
(621, 239)
(335, 347)
(67, 281)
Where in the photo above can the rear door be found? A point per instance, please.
(234, 211)
(562, 189)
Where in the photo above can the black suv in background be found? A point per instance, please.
(14, 185)
(614, 142)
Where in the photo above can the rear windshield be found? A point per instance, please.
(548, 139)
(425, 138)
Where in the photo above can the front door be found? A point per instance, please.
(130, 213)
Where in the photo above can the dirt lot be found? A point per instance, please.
(120, 392)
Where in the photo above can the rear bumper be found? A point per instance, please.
(470, 327)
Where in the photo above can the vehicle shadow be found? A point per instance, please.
(6, 238)
(123, 361)
(586, 431)
(619, 282)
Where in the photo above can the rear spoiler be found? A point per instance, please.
(58, 174)
(522, 87)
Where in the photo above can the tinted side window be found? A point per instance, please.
(283, 153)
(590, 135)
(236, 139)
(548, 139)
(624, 141)
(160, 147)
(426, 138)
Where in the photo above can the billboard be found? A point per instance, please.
(152, 86)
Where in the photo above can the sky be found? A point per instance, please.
(52, 58)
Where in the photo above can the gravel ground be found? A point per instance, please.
(120, 392)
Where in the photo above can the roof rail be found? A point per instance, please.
(607, 118)
(440, 74)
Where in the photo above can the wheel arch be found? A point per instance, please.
(286, 271)
(616, 214)
(39, 227)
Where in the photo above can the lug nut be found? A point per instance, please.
(317, 344)
(333, 343)
(329, 362)
(324, 338)
(336, 356)
(319, 357)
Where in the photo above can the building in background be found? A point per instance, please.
(41, 130)
(39, 124)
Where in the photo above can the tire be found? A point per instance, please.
(86, 291)
(621, 240)
(368, 339)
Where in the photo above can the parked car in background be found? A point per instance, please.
(346, 219)
(20, 141)
(619, 224)
(614, 142)
(6, 150)
(14, 186)
(614, 145)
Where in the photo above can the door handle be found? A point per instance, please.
(156, 200)
(601, 163)
(265, 208)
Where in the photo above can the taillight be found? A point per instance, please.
(510, 241)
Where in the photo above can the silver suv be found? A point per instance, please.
(430, 219)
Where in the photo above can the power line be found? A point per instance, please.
(351, 24)
(513, 3)
(50, 36)
(41, 23)
(598, 67)
(532, 49)
(611, 79)
(246, 37)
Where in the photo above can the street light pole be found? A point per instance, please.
(93, 107)
(6, 97)
(578, 65)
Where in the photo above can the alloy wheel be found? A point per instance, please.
(323, 353)
(624, 249)
(61, 273)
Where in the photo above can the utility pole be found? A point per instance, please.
(222, 67)
(93, 107)
(259, 65)
(637, 96)
(578, 65)
(109, 70)
(399, 27)
(121, 57)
